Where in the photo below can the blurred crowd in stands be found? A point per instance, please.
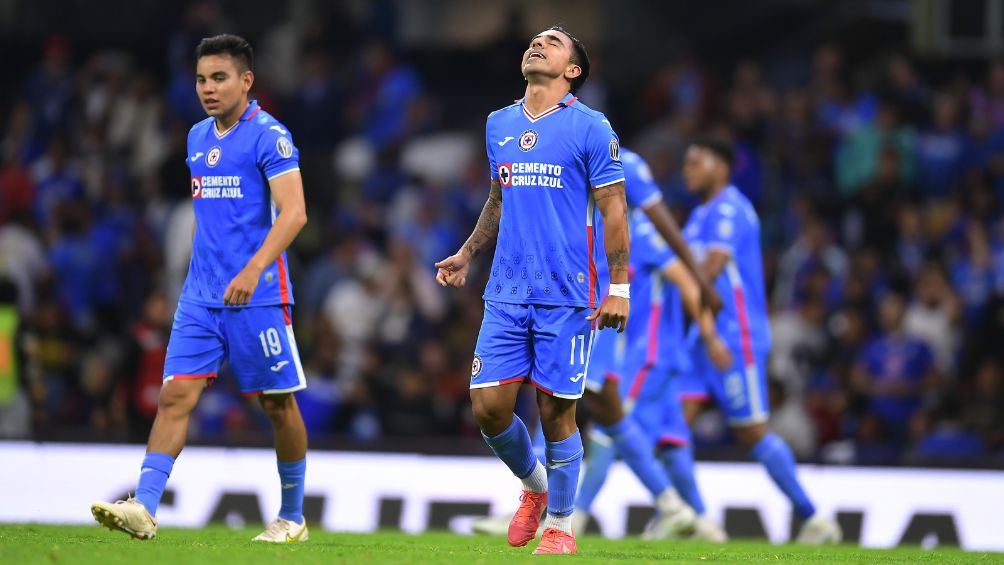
(880, 201)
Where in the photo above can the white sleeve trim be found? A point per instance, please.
(655, 197)
(277, 175)
(609, 183)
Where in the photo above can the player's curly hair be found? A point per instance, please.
(227, 44)
(579, 56)
(719, 147)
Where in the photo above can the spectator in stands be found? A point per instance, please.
(894, 372)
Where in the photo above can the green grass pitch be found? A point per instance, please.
(24, 544)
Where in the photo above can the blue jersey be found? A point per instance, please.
(890, 360)
(655, 330)
(234, 210)
(729, 223)
(548, 166)
(640, 190)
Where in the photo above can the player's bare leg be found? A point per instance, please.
(291, 452)
(775, 455)
(506, 434)
(692, 408)
(135, 516)
(563, 449)
(174, 409)
(287, 422)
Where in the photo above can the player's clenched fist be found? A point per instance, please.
(240, 289)
(453, 270)
(612, 313)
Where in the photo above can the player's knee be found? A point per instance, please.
(178, 398)
(750, 435)
(557, 416)
(490, 415)
(278, 407)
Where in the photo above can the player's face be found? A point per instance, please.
(549, 55)
(699, 168)
(221, 84)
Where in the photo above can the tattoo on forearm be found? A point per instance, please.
(618, 260)
(487, 228)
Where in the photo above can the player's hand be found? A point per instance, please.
(721, 356)
(453, 270)
(240, 289)
(709, 296)
(612, 313)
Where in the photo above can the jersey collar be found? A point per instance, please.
(721, 195)
(568, 100)
(249, 113)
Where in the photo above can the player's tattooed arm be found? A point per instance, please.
(487, 228)
(613, 311)
(452, 271)
(612, 204)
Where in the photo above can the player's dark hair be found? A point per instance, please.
(721, 148)
(227, 44)
(579, 56)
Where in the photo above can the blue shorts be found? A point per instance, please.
(650, 399)
(549, 345)
(690, 386)
(605, 362)
(258, 341)
(741, 391)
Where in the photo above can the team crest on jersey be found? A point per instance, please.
(196, 187)
(505, 174)
(284, 147)
(213, 156)
(615, 150)
(527, 140)
(476, 366)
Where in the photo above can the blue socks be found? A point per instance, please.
(601, 456)
(636, 450)
(153, 476)
(777, 458)
(291, 477)
(679, 464)
(563, 461)
(513, 447)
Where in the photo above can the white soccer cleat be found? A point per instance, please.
(129, 516)
(706, 529)
(284, 531)
(673, 518)
(820, 531)
(497, 525)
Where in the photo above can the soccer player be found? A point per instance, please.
(553, 163)
(643, 368)
(724, 232)
(249, 206)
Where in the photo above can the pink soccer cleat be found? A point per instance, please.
(524, 524)
(556, 542)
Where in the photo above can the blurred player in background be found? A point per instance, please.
(553, 162)
(643, 363)
(249, 206)
(724, 232)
